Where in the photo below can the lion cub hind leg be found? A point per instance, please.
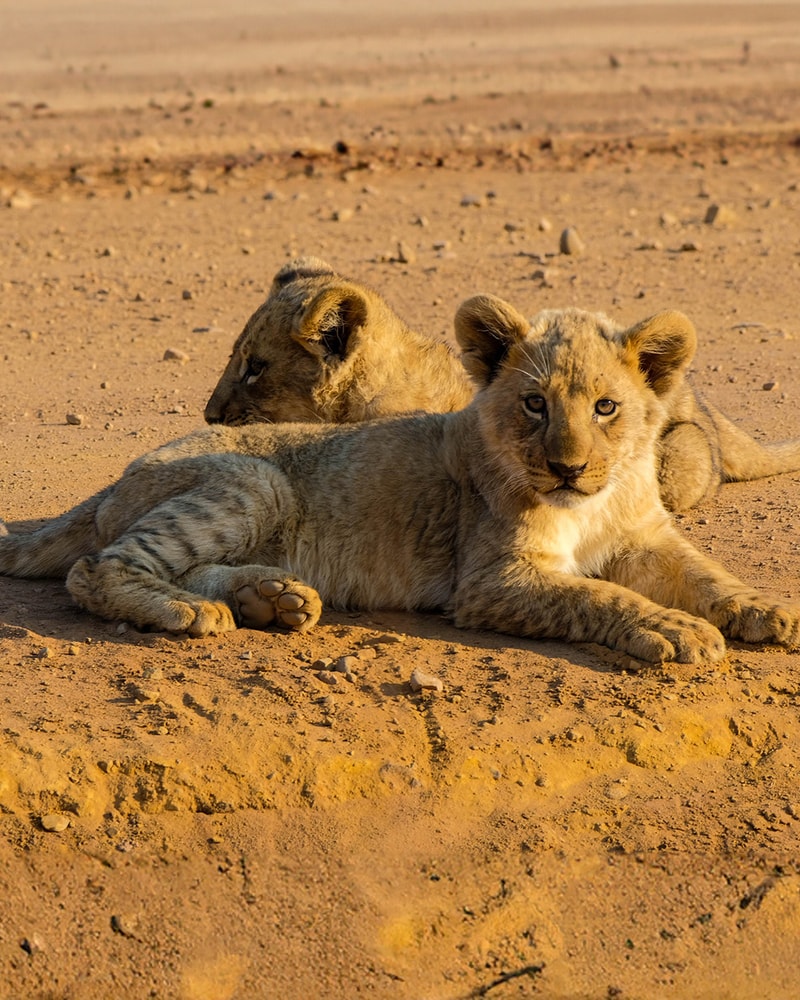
(113, 589)
(259, 596)
(286, 602)
(688, 468)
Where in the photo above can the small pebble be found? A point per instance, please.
(75, 419)
(345, 665)
(125, 924)
(386, 639)
(405, 253)
(55, 822)
(719, 215)
(20, 199)
(770, 386)
(471, 201)
(145, 694)
(570, 242)
(425, 682)
(174, 354)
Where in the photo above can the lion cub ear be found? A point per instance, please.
(663, 346)
(486, 329)
(327, 323)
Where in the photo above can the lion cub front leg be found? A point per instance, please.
(673, 572)
(259, 596)
(519, 598)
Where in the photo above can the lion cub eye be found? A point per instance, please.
(253, 370)
(535, 405)
(605, 407)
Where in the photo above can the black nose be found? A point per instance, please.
(564, 471)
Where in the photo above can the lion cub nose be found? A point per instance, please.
(564, 471)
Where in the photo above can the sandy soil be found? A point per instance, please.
(555, 823)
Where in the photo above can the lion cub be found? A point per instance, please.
(325, 348)
(535, 511)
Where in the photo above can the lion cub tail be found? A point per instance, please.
(51, 549)
(743, 458)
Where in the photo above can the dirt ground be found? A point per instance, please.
(556, 822)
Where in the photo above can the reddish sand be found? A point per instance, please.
(553, 823)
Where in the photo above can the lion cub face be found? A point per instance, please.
(286, 359)
(569, 403)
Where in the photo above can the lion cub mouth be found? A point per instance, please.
(569, 492)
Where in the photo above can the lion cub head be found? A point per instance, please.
(569, 404)
(322, 347)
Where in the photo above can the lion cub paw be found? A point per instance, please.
(287, 602)
(759, 620)
(208, 618)
(196, 618)
(675, 636)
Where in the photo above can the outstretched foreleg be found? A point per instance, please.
(516, 596)
(670, 571)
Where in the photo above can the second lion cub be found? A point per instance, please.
(535, 511)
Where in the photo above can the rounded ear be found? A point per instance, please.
(486, 328)
(301, 267)
(663, 346)
(327, 323)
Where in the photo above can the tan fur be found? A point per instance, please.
(535, 511)
(323, 347)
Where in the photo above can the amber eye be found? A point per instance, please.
(605, 407)
(253, 370)
(535, 405)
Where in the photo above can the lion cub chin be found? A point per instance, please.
(535, 511)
